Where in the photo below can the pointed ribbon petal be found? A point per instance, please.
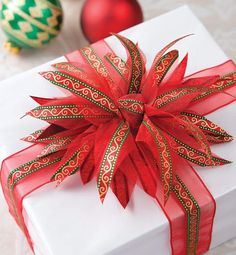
(81, 89)
(157, 73)
(56, 145)
(146, 170)
(124, 182)
(110, 157)
(73, 164)
(207, 126)
(73, 70)
(157, 143)
(136, 62)
(119, 65)
(163, 65)
(177, 75)
(70, 111)
(32, 137)
(96, 63)
(173, 95)
(196, 156)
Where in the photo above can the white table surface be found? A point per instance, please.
(217, 15)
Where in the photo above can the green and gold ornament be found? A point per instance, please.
(30, 23)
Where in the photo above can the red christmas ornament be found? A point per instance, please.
(101, 17)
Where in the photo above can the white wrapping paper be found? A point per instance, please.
(70, 219)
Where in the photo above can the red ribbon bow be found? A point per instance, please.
(125, 126)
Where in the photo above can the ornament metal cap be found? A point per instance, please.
(12, 47)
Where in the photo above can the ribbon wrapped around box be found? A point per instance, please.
(123, 125)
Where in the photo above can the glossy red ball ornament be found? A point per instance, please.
(101, 17)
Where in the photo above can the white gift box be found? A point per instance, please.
(70, 219)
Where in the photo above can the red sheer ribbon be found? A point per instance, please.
(153, 132)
